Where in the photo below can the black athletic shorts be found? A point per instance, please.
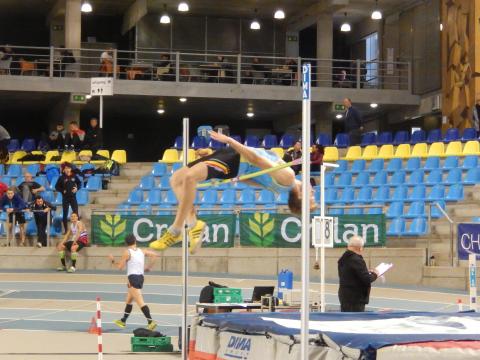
(222, 164)
(135, 281)
(68, 245)
(19, 217)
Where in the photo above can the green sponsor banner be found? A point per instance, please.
(284, 231)
(110, 229)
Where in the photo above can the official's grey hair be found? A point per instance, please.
(356, 241)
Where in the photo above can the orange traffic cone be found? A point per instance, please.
(93, 329)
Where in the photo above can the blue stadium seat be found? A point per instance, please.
(198, 197)
(176, 166)
(31, 228)
(144, 209)
(204, 130)
(475, 219)
(265, 197)
(418, 227)
(270, 208)
(159, 169)
(205, 209)
(394, 165)
(33, 169)
(368, 139)
(135, 197)
(434, 135)
(2, 169)
(248, 208)
(336, 211)
(432, 163)
(240, 185)
(166, 209)
(395, 210)
(82, 197)
(413, 164)
(287, 141)
(435, 212)
(331, 195)
(28, 145)
(397, 227)
(437, 193)
(376, 165)
(452, 134)
(228, 197)
(469, 162)
(58, 199)
(324, 140)
(401, 137)
(472, 177)
(399, 194)
(417, 209)
(362, 180)
(416, 178)
(170, 198)
(344, 180)
(434, 178)
(418, 136)
(94, 183)
(454, 177)
(154, 197)
(451, 162)
(398, 178)
(419, 193)
(355, 211)
(316, 194)
(364, 195)
(342, 167)
(384, 138)
(376, 210)
(380, 179)
(252, 141)
(164, 183)
(199, 142)
(48, 196)
(52, 183)
(469, 134)
(43, 145)
(14, 170)
(358, 166)
(237, 138)
(14, 145)
(270, 141)
(147, 182)
(282, 198)
(226, 209)
(178, 144)
(342, 140)
(246, 196)
(348, 194)
(329, 179)
(210, 197)
(216, 145)
(455, 193)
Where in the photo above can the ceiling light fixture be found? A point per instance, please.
(345, 26)
(376, 14)
(183, 7)
(255, 25)
(279, 14)
(86, 7)
(339, 116)
(88, 96)
(441, 27)
(165, 18)
(373, 105)
(161, 111)
(183, 99)
(250, 114)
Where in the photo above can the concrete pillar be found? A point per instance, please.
(73, 24)
(324, 49)
(322, 118)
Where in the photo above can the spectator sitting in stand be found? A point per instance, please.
(28, 189)
(106, 59)
(294, 154)
(261, 70)
(13, 204)
(93, 137)
(316, 159)
(74, 138)
(56, 139)
(165, 72)
(67, 59)
(41, 210)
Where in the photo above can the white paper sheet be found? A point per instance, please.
(383, 268)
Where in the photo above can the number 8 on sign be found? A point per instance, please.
(322, 232)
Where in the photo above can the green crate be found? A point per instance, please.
(151, 341)
(226, 291)
(152, 348)
(228, 299)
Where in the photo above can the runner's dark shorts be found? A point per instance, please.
(135, 281)
(68, 245)
(222, 164)
(19, 217)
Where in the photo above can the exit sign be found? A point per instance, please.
(338, 107)
(78, 99)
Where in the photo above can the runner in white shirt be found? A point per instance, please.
(134, 259)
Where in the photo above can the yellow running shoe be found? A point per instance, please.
(152, 325)
(195, 235)
(119, 323)
(165, 241)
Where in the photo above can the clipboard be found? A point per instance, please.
(382, 268)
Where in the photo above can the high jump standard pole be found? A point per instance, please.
(185, 252)
(305, 309)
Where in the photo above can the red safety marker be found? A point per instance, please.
(460, 305)
(99, 329)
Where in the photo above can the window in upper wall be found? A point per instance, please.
(371, 57)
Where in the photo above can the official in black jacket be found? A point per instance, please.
(355, 278)
(68, 184)
(93, 137)
(41, 211)
(353, 122)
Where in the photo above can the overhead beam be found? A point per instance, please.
(133, 15)
(57, 10)
(311, 15)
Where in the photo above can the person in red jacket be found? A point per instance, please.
(3, 188)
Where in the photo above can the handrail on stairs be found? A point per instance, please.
(452, 234)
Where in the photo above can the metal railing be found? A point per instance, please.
(452, 233)
(202, 67)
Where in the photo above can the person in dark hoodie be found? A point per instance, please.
(355, 278)
(41, 211)
(68, 184)
(93, 137)
(13, 204)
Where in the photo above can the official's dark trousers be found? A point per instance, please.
(355, 137)
(68, 201)
(41, 222)
(351, 307)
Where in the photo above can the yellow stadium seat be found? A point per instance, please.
(104, 153)
(370, 152)
(419, 150)
(82, 153)
(331, 154)
(386, 152)
(454, 148)
(353, 153)
(436, 149)
(169, 156)
(403, 151)
(279, 151)
(34, 152)
(190, 155)
(471, 148)
(120, 156)
(17, 155)
(68, 156)
(48, 157)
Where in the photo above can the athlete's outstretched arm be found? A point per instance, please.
(123, 261)
(152, 255)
